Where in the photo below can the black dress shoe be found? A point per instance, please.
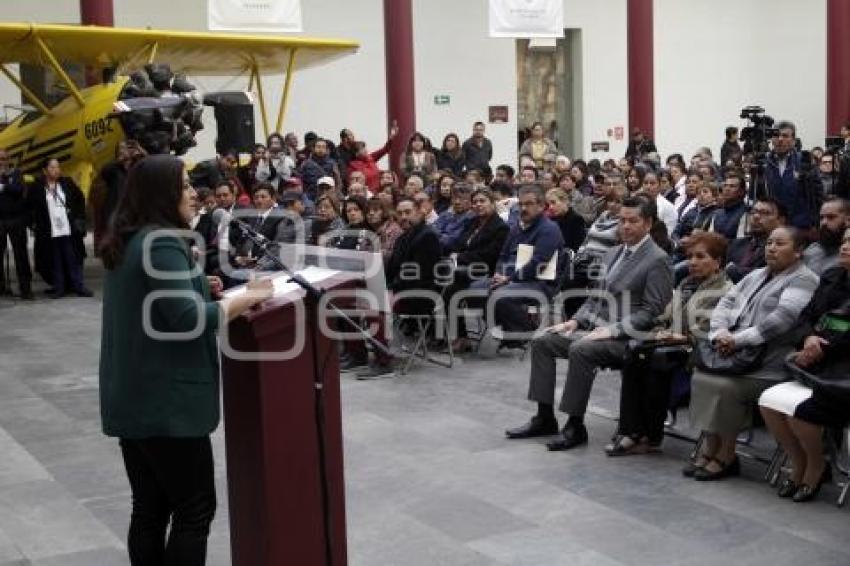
(352, 363)
(571, 436)
(84, 292)
(806, 492)
(537, 426)
(787, 488)
(726, 470)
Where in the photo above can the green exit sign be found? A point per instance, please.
(442, 99)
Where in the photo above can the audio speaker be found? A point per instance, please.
(234, 117)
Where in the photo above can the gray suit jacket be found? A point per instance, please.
(633, 296)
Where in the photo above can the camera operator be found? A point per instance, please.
(792, 180)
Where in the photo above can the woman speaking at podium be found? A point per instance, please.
(159, 388)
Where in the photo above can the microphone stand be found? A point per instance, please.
(313, 296)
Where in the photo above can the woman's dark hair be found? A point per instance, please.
(359, 202)
(276, 136)
(639, 171)
(457, 150)
(151, 197)
(581, 166)
(417, 136)
(46, 161)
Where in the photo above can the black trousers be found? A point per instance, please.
(66, 261)
(644, 397)
(172, 481)
(16, 231)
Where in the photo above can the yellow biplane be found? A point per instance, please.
(84, 128)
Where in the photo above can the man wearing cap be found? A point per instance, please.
(317, 166)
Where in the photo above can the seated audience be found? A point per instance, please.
(450, 157)
(425, 203)
(665, 210)
(730, 219)
(443, 198)
(264, 221)
(795, 413)
(318, 166)
(418, 157)
(379, 216)
(645, 390)
(475, 254)
(327, 219)
(834, 220)
(414, 184)
(258, 170)
(579, 202)
(544, 238)
(747, 253)
(755, 325)
(356, 235)
(560, 211)
(637, 286)
(452, 222)
(699, 216)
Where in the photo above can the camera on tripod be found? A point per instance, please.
(756, 135)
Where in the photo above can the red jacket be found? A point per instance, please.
(368, 165)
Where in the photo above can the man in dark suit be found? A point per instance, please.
(636, 287)
(13, 225)
(747, 253)
(410, 273)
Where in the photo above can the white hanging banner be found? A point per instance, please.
(254, 15)
(526, 18)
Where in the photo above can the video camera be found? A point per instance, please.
(756, 135)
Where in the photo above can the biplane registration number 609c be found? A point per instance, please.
(98, 128)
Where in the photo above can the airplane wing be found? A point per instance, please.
(197, 53)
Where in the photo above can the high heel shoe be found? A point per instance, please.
(806, 492)
(787, 488)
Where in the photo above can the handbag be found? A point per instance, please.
(742, 361)
(660, 356)
(829, 384)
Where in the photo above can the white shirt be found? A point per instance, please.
(667, 213)
(60, 225)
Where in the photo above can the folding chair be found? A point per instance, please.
(424, 323)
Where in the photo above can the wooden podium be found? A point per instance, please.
(274, 474)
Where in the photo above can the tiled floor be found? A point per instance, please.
(430, 478)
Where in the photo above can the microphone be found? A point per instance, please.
(247, 229)
(220, 215)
